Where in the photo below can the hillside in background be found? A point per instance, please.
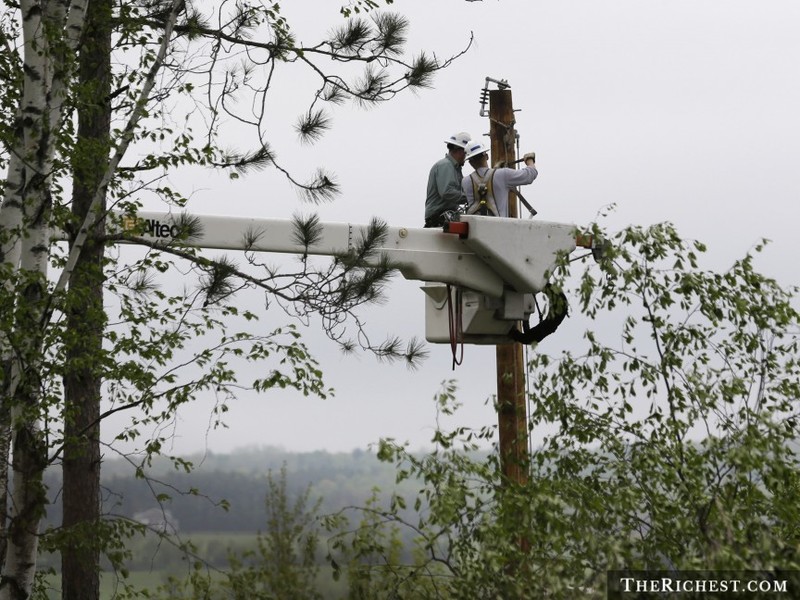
(226, 492)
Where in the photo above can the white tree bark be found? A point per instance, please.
(10, 249)
(26, 207)
(16, 579)
(11, 215)
(22, 541)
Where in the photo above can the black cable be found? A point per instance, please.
(455, 325)
(555, 316)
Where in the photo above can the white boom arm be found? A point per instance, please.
(498, 262)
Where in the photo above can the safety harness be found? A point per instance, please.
(483, 194)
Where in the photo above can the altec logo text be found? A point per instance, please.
(151, 227)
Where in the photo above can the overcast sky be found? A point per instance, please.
(684, 111)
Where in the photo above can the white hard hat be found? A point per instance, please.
(460, 139)
(474, 149)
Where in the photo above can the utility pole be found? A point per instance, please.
(511, 400)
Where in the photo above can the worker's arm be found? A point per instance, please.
(522, 176)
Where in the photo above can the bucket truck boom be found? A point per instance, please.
(497, 264)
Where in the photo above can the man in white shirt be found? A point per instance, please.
(487, 189)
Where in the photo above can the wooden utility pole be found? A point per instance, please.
(511, 400)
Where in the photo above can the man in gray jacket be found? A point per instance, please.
(444, 181)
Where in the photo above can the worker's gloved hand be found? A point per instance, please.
(499, 164)
(531, 155)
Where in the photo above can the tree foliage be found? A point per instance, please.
(665, 441)
(283, 565)
(191, 85)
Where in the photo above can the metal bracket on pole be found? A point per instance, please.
(502, 84)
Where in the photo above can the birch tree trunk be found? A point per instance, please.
(10, 249)
(50, 30)
(27, 464)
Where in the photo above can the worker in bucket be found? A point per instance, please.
(487, 188)
(444, 182)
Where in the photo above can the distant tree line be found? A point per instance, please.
(226, 492)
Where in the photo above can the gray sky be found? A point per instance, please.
(684, 110)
